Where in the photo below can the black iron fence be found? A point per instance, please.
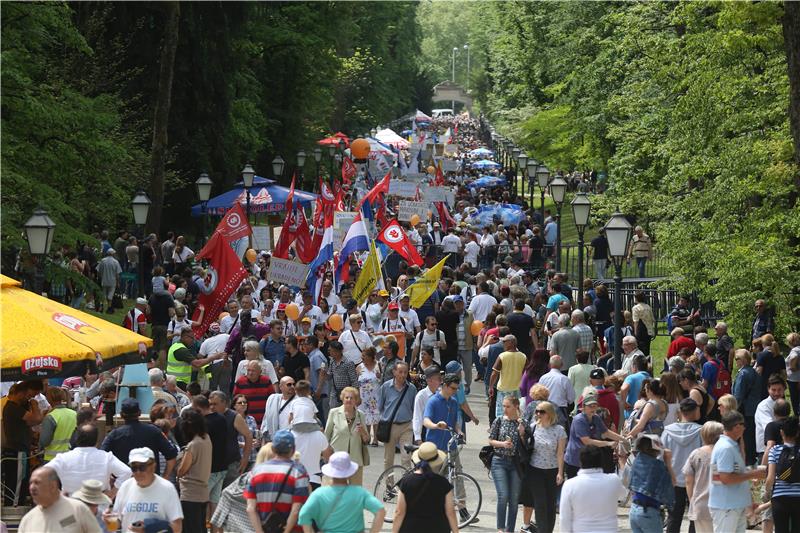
(656, 267)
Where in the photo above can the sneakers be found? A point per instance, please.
(464, 515)
(530, 528)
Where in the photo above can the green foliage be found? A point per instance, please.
(684, 104)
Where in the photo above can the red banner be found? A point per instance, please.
(349, 170)
(303, 244)
(232, 227)
(289, 230)
(223, 276)
(395, 238)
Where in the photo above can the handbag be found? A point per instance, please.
(486, 455)
(275, 522)
(384, 431)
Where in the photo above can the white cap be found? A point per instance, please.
(141, 455)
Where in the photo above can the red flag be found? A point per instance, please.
(223, 276)
(439, 181)
(444, 216)
(395, 238)
(232, 227)
(339, 195)
(303, 245)
(289, 230)
(380, 188)
(349, 170)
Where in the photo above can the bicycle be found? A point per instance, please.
(467, 496)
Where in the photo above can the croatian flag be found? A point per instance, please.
(355, 240)
(318, 267)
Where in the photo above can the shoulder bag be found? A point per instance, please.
(384, 430)
(275, 522)
(318, 527)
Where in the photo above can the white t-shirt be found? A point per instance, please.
(374, 316)
(315, 314)
(481, 306)
(589, 502)
(176, 326)
(451, 244)
(158, 500)
(424, 339)
(334, 303)
(212, 345)
(471, 250)
(411, 318)
(354, 342)
(310, 447)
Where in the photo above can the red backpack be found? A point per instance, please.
(722, 385)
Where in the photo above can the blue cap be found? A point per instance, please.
(130, 406)
(453, 367)
(283, 441)
(156, 525)
(457, 298)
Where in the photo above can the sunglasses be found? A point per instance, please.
(540, 411)
(141, 467)
(434, 324)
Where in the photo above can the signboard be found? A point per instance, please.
(287, 272)
(406, 189)
(342, 220)
(425, 155)
(450, 148)
(450, 165)
(261, 240)
(439, 194)
(408, 208)
(416, 177)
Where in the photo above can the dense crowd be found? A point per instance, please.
(266, 422)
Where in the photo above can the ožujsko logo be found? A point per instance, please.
(41, 364)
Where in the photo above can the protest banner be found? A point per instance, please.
(261, 239)
(439, 194)
(406, 189)
(408, 209)
(287, 272)
(342, 220)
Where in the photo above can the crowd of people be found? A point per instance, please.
(267, 421)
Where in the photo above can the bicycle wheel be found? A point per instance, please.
(468, 498)
(386, 489)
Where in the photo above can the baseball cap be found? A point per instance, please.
(306, 319)
(457, 298)
(405, 297)
(589, 398)
(141, 455)
(383, 292)
(453, 367)
(655, 441)
(141, 301)
(283, 441)
(435, 224)
(394, 306)
(156, 525)
(597, 373)
(130, 406)
(281, 307)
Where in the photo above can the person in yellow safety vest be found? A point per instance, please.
(57, 426)
(180, 358)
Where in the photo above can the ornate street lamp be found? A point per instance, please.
(203, 185)
(277, 167)
(618, 234)
(581, 207)
(522, 160)
(543, 177)
(247, 178)
(39, 231)
(140, 205)
(317, 157)
(558, 189)
(533, 166)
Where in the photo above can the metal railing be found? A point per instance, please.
(656, 267)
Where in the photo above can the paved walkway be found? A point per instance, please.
(476, 438)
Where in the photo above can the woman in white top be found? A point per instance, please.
(182, 254)
(252, 352)
(355, 340)
(181, 321)
(793, 369)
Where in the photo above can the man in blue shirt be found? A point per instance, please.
(632, 385)
(729, 491)
(710, 369)
(396, 406)
(274, 347)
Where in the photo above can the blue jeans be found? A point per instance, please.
(507, 483)
(641, 262)
(645, 519)
(478, 365)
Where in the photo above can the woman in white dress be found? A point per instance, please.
(355, 340)
(369, 382)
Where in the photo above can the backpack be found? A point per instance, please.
(787, 468)
(722, 385)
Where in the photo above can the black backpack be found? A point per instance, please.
(788, 467)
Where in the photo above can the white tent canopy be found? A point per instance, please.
(391, 138)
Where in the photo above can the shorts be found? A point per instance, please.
(159, 337)
(215, 482)
(109, 291)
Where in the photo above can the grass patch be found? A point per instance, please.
(117, 316)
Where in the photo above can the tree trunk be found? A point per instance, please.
(161, 119)
(791, 40)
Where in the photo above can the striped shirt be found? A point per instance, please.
(256, 394)
(265, 483)
(782, 488)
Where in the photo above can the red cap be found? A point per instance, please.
(393, 306)
(281, 307)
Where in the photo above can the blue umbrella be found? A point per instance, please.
(510, 214)
(488, 182)
(484, 164)
(266, 196)
(481, 152)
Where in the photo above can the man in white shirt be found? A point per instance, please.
(630, 349)
(276, 412)
(430, 338)
(561, 390)
(481, 305)
(589, 500)
(308, 309)
(214, 346)
(409, 315)
(376, 309)
(437, 235)
(471, 251)
(334, 303)
(86, 461)
(433, 378)
(776, 388)
(451, 244)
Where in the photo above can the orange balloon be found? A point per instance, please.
(335, 322)
(360, 149)
(476, 328)
(292, 311)
(430, 214)
(431, 170)
(223, 315)
(250, 255)
(414, 220)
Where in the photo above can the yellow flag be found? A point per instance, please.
(421, 290)
(369, 277)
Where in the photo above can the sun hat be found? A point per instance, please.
(91, 492)
(428, 451)
(340, 466)
(283, 441)
(141, 455)
(589, 398)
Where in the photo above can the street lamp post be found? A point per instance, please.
(301, 163)
(581, 207)
(317, 159)
(466, 47)
(203, 185)
(141, 207)
(515, 161)
(618, 233)
(558, 188)
(522, 159)
(533, 166)
(247, 178)
(543, 177)
(331, 157)
(453, 102)
(39, 230)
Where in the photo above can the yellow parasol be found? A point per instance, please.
(44, 339)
